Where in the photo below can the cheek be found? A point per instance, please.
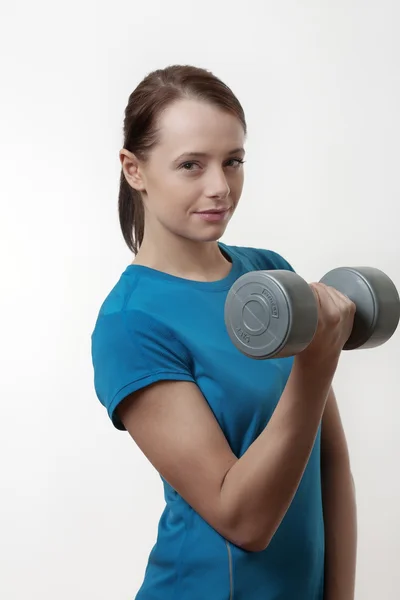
(236, 186)
(178, 185)
(171, 193)
(175, 200)
(184, 191)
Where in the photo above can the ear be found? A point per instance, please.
(131, 168)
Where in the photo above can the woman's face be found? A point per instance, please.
(195, 167)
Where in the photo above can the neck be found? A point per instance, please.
(201, 261)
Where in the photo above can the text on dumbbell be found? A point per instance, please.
(272, 301)
(244, 336)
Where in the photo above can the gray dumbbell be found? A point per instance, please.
(274, 313)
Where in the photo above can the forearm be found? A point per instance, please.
(340, 516)
(260, 486)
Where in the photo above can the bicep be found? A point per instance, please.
(334, 449)
(174, 427)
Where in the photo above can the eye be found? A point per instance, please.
(186, 166)
(237, 162)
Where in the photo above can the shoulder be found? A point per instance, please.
(126, 290)
(131, 328)
(130, 320)
(128, 304)
(258, 258)
(131, 348)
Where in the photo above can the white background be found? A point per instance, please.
(320, 84)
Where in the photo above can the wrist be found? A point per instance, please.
(316, 368)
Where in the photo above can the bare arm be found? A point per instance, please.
(340, 511)
(269, 473)
(173, 425)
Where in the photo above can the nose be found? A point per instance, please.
(217, 185)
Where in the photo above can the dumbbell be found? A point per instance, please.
(274, 313)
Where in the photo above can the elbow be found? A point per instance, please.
(255, 546)
(248, 529)
(250, 538)
(251, 543)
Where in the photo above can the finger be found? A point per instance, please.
(328, 307)
(332, 299)
(314, 287)
(344, 300)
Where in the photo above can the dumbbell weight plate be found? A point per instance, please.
(377, 300)
(271, 313)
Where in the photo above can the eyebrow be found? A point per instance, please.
(205, 154)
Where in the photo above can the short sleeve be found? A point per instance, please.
(131, 350)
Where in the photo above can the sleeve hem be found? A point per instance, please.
(139, 384)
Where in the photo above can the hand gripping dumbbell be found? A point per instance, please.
(274, 313)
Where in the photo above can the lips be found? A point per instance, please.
(212, 211)
(213, 215)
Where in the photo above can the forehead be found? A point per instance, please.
(195, 125)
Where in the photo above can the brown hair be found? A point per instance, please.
(146, 103)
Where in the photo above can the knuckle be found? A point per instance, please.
(350, 306)
(334, 317)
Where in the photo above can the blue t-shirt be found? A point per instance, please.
(154, 326)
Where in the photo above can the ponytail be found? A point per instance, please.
(131, 214)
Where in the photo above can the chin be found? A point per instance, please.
(212, 235)
(211, 232)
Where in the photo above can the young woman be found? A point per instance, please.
(252, 454)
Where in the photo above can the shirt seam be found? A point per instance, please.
(147, 376)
